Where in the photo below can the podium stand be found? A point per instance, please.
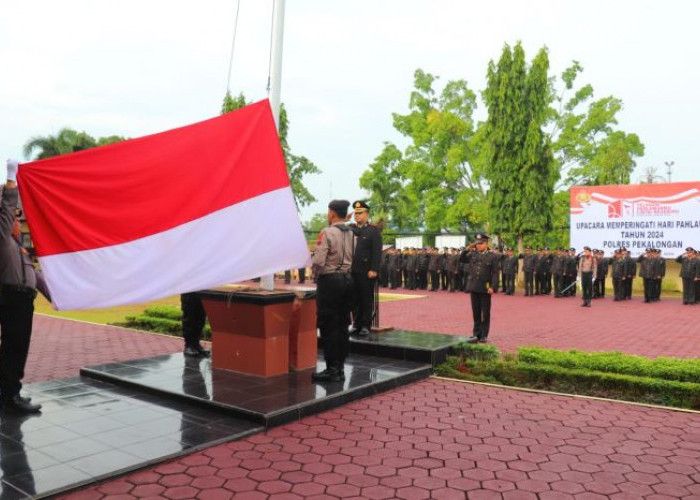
(263, 333)
(303, 337)
(250, 330)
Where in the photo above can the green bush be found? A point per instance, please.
(482, 352)
(167, 312)
(161, 319)
(154, 324)
(683, 370)
(576, 381)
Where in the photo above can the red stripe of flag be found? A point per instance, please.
(126, 191)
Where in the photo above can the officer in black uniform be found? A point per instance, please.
(601, 273)
(18, 288)
(690, 274)
(365, 268)
(510, 271)
(482, 282)
(529, 267)
(193, 319)
(619, 275)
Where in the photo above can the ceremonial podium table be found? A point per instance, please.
(263, 333)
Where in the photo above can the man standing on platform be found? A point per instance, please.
(193, 319)
(18, 287)
(482, 282)
(332, 260)
(365, 268)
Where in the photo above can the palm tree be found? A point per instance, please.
(66, 141)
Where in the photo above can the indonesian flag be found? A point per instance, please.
(179, 211)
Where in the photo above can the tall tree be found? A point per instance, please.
(297, 166)
(521, 170)
(66, 141)
(587, 146)
(433, 184)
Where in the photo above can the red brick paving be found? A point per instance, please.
(61, 347)
(436, 439)
(665, 328)
(443, 439)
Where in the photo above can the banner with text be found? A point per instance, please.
(663, 216)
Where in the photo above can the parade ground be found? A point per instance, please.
(435, 438)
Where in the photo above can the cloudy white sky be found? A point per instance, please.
(137, 67)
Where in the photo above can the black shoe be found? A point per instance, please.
(473, 339)
(18, 404)
(196, 351)
(363, 333)
(483, 340)
(328, 375)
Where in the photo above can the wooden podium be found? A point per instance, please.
(263, 333)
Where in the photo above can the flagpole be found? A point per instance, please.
(275, 88)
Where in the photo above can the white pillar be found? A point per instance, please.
(268, 282)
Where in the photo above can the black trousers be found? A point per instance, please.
(509, 283)
(688, 291)
(648, 289)
(394, 276)
(362, 300)
(443, 279)
(628, 287)
(333, 302)
(529, 283)
(16, 313)
(618, 288)
(599, 287)
(587, 286)
(434, 280)
(302, 275)
(481, 312)
(656, 289)
(193, 317)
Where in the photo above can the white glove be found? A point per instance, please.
(12, 166)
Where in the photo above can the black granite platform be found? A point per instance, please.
(431, 348)
(91, 430)
(267, 401)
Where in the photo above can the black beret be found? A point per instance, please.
(587, 248)
(340, 206)
(690, 249)
(572, 249)
(359, 204)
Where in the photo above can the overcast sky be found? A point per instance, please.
(133, 68)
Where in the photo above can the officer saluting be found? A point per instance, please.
(482, 281)
(365, 268)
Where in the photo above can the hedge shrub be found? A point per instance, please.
(683, 370)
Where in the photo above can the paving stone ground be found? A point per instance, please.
(444, 440)
(437, 438)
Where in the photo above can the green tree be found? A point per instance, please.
(587, 146)
(521, 168)
(314, 225)
(66, 141)
(297, 166)
(433, 183)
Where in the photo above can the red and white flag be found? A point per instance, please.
(182, 210)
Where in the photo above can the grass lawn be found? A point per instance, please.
(103, 316)
(119, 314)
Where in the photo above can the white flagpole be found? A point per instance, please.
(268, 282)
